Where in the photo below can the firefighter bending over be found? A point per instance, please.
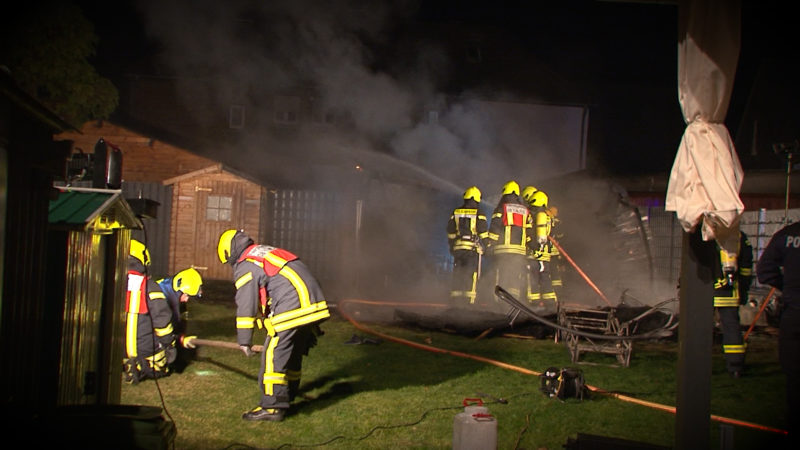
(541, 292)
(467, 231)
(509, 237)
(178, 290)
(149, 332)
(733, 274)
(274, 291)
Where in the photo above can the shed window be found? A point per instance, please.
(218, 208)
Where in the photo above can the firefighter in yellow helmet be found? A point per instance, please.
(274, 291)
(509, 237)
(149, 331)
(733, 273)
(467, 231)
(541, 292)
(178, 289)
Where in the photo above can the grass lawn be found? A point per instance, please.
(390, 395)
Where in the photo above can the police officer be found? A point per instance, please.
(733, 274)
(509, 238)
(779, 267)
(467, 231)
(276, 291)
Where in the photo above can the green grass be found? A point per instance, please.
(396, 396)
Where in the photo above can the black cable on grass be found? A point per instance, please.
(370, 432)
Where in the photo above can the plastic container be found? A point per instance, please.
(475, 428)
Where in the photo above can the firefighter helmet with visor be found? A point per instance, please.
(140, 252)
(512, 187)
(224, 245)
(539, 198)
(189, 281)
(527, 193)
(474, 193)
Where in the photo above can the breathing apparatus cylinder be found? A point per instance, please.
(475, 428)
(729, 263)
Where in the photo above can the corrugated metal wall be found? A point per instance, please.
(666, 235)
(91, 333)
(309, 225)
(157, 231)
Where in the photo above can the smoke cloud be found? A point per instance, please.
(358, 59)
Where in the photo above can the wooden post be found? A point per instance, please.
(693, 403)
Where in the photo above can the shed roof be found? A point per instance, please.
(100, 210)
(216, 168)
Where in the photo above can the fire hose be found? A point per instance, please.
(523, 370)
(760, 310)
(578, 269)
(225, 344)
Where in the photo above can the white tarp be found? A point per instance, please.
(707, 175)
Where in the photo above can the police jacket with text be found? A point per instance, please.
(779, 264)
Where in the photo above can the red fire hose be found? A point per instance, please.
(503, 365)
(578, 269)
(760, 310)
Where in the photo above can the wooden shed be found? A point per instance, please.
(205, 203)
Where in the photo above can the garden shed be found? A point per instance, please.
(205, 203)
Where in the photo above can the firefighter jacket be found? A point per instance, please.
(467, 228)
(779, 264)
(274, 289)
(733, 292)
(149, 328)
(510, 227)
(177, 307)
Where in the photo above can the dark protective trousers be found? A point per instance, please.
(281, 365)
(464, 284)
(732, 343)
(789, 355)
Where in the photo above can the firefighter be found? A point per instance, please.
(509, 237)
(467, 231)
(779, 267)
(557, 268)
(541, 292)
(149, 332)
(733, 275)
(178, 290)
(274, 291)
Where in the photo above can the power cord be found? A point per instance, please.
(153, 329)
(374, 429)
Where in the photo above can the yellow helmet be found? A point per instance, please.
(224, 245)
(474, 193)
(511, 188)
(527, 193)
(188, 281)
(539, 198)
(140, 252)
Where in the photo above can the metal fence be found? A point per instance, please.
(665, 235)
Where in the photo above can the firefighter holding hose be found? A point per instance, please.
(467, 231)
(540, 285)
(274, 291)
(509, 236)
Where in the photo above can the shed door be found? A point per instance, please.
(219, 208)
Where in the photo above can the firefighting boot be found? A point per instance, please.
(259, 413)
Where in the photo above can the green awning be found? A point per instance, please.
(99, 210)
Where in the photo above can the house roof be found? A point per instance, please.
(100, 210)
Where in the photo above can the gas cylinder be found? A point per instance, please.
(474, 428)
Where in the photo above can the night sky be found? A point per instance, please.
(620, 56)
